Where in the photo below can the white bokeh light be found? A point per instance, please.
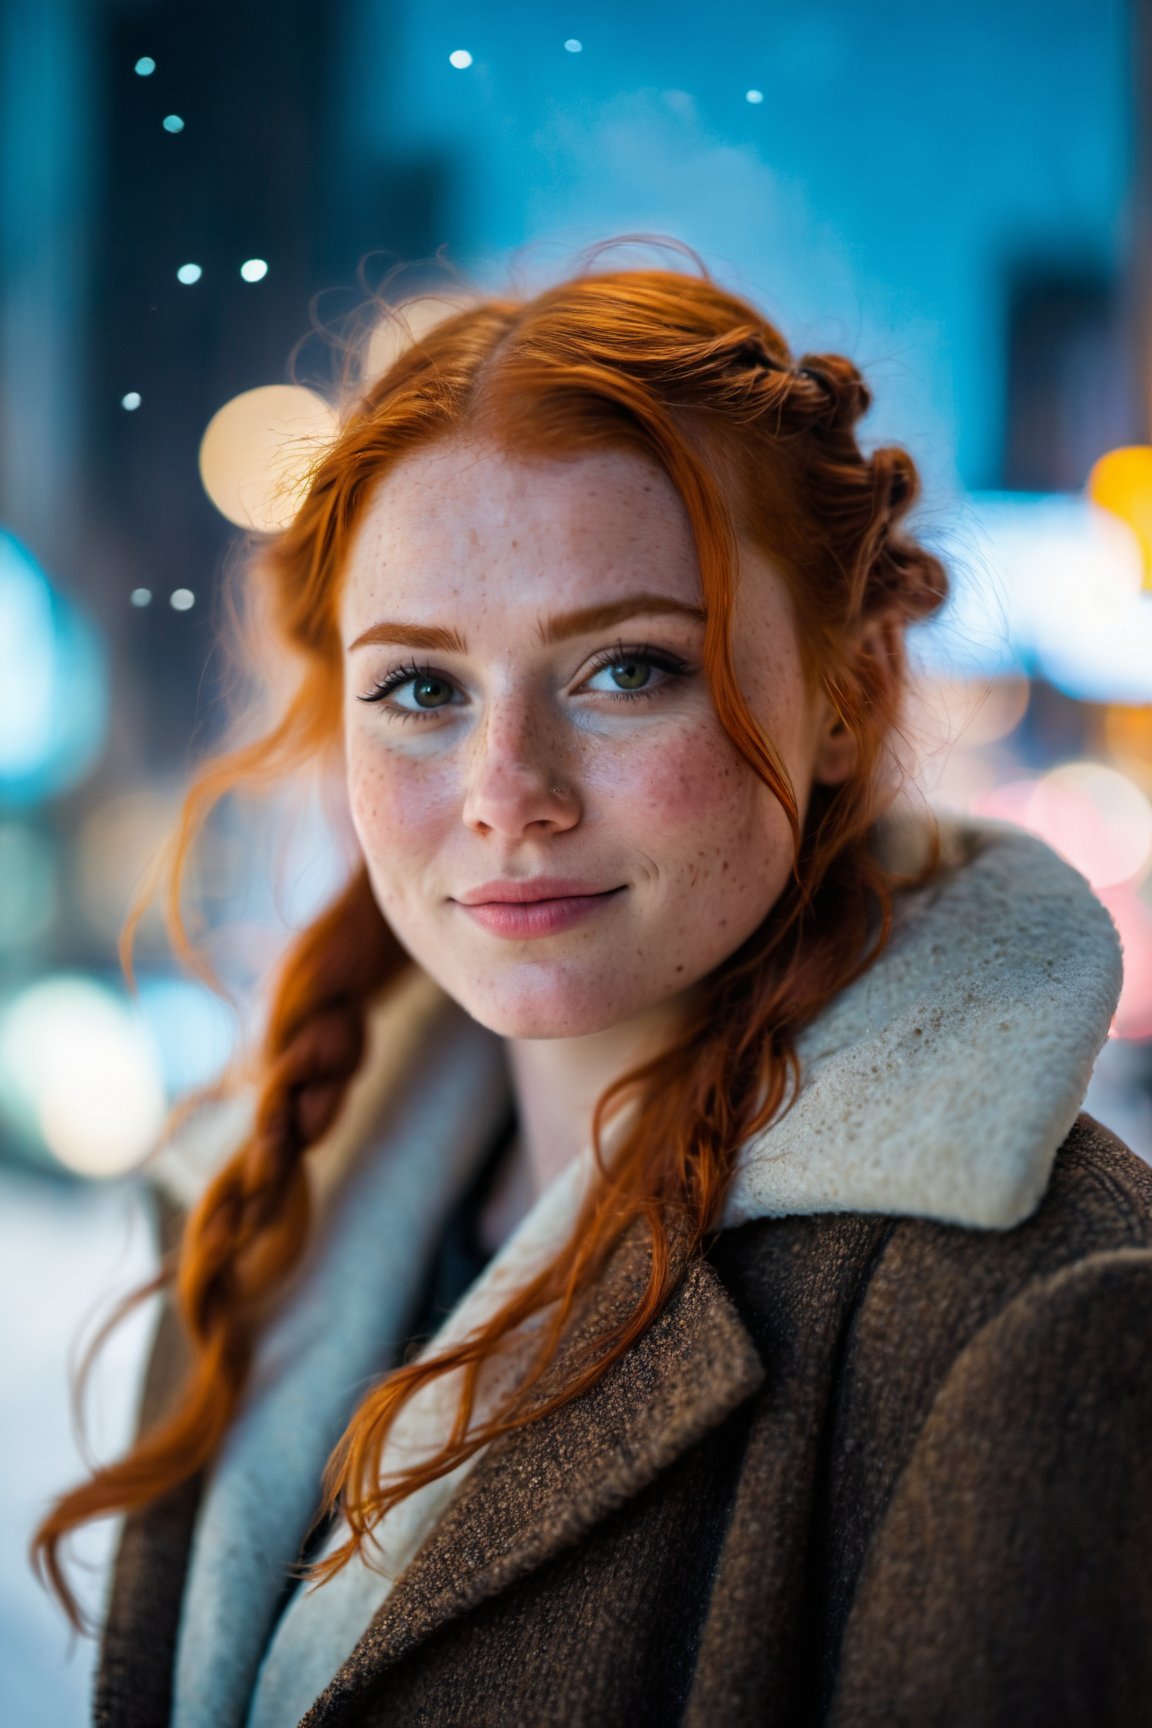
(258, 449)
(189, 273)
(254, 270)
(80, 1072)
(460, 58)
(1046, 581)
(398, 329)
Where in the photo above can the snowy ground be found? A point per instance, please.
(64, 1248)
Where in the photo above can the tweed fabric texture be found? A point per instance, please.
(870, 1470)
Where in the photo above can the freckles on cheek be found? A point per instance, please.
(390, 804)
(368, 795)
(703, 782)
(715, 830)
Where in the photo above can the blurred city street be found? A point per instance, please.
(204, 207)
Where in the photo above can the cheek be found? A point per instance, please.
(395, 805)
(716, 840)
(696, 795)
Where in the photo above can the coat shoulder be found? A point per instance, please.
(918, 1284)
(1096, 1173)
(1007, 1576)
(924, 1343)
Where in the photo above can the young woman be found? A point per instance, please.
(660, 1271)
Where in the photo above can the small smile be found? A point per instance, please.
(540, 915)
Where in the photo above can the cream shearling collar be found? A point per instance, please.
(942, 1082)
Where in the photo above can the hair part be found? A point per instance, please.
(760, 445)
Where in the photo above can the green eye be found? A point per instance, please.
(630, 674)
(411, 690)
(430, 692)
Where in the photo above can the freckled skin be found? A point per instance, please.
(655, 798)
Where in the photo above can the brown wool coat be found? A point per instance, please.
(863, 1472)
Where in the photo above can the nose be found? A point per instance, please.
(516, 779)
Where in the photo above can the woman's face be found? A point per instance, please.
(555, 824)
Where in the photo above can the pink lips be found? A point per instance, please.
(541, 906)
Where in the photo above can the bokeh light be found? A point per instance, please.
(173, 123)
(1048, 582)
(193, 1029)
(258, 450)
(181, 599)
(254, 269)
(1098, 819)
(969, 713)
(405, 324)
(754, 96)
(460, 58)
(145, 66)
(131, 401)
(1093, 815)
(1132, 915)
(189, 273)
(53, 684)
(141, 597)
(80, 1075)
(1126, 737)
(30, 897)
(573, 46)
(117, 842)
(1121, 481)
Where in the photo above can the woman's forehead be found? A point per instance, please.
(450, 518)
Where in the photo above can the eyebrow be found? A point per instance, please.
(559, 628)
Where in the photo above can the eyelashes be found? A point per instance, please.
(660, 659)
(397, 678)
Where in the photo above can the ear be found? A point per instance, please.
(880, 639)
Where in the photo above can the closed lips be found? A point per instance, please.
(526, 893)
(534, 915)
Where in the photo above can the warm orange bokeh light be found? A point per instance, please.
(1121, 482)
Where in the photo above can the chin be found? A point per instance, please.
(543, 1007)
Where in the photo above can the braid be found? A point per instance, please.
(830, 392)
(248, 1229)
(902, 572)
(251, 1223)
(823, 396)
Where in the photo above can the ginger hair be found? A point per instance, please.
(759, 443)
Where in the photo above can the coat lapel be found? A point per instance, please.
(538, 1490)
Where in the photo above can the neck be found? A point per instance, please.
(556, 1083)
